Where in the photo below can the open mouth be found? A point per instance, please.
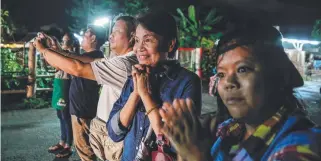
(142, 57)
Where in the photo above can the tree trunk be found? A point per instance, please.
(31, 86)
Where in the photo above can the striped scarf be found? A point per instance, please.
(232, 132)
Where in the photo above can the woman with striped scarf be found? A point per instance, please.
(256, 81)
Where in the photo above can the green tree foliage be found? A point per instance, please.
(195, 31)
(4, 15)
(135, 7)
(12, 64)
(316, 32)
(7, 25)
(4, 23)
(10, 61)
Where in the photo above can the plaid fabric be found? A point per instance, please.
(294, 153)
(230, 128)
(282, 137)
(256, 144)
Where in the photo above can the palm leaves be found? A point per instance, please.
(194, 32)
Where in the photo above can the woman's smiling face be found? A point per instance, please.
(147, 47)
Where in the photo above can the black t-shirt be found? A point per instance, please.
(84, 93)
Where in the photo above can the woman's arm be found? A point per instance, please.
(128, 112)
(123, 112)
(152, 112)
(142, 79)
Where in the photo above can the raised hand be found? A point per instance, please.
(134, 75)
(183, 129)
(51, 41)
(37, 43)
(140, 75)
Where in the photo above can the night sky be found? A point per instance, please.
(294, 21)
(36, 13)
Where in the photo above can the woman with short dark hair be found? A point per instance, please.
(155, 80)
(256, 81)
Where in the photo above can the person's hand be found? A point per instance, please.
(37, 43)
(134, 73)
(182, 128)
(55, 44)
(51, 41)
(140, 75)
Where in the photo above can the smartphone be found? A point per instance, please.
(38, 35)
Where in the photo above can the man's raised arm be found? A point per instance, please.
(75, 65)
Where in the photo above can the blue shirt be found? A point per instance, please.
(84, 93)
(167, 85)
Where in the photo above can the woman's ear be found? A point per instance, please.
(171, 45)
(93, 38)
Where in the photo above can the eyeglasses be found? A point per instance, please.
(147, 41)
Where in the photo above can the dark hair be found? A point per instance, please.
(71, 37)
(74, 42)
(131, 25)
(164, 25)
(100, 34)
(265, 43)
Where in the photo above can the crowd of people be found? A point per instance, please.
(142, 105)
